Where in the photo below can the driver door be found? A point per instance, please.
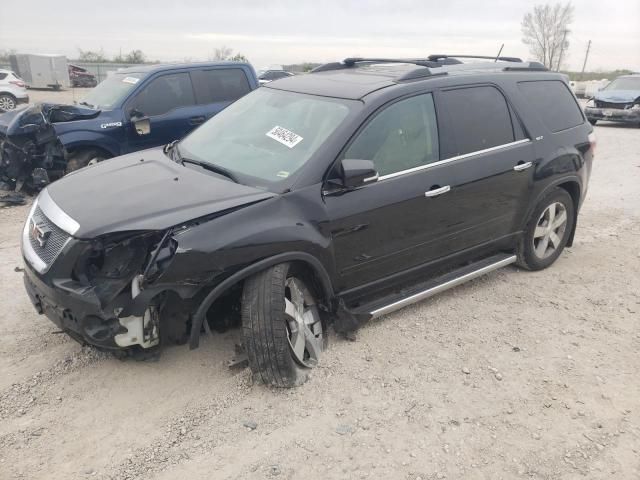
(377, 229)
(168, 103)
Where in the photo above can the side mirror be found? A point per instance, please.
(142, 125)
(356, 173)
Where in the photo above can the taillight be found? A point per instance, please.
(17, 83)
(592, 142)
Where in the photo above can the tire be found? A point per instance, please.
(7, 101)
(272, 324)
(540, 245)
(83, 158)
(593, 121)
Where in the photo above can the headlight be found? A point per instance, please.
(591, 103)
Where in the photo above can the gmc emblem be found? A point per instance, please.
(40, 233)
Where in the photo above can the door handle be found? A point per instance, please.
(437, 191)
(522, 166)
(197, 120)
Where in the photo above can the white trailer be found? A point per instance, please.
(41, 70)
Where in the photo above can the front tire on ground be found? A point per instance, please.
(547, 231)
(281, 324)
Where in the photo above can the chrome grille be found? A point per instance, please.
(55, 241)
(619, 106)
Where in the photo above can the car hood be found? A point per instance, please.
(145, 191)
(33, 119)
(618, 96)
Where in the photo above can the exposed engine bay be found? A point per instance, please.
(31, 154)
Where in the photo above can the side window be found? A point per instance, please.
(402, 136)
(480, 118)
(165, 93)
(3, 76)
(221, 85)
(553, 103)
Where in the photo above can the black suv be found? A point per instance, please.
(333, 197)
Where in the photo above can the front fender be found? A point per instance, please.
(84, 138)
(245, 273)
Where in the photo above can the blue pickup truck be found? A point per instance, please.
(132, 109)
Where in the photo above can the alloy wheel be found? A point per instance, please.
(304, 326)
(7, 103)
(550, 230)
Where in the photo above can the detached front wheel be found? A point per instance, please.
(282, 328)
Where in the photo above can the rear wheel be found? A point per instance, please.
(7, 102)
(282, 328)
(84, 158)
(547, 231)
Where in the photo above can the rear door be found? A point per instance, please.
(168, 101)
(490, 171)
(216, 88)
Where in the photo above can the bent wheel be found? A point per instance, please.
(282, 328)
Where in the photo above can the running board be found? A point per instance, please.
(437, 285)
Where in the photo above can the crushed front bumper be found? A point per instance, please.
(613, 114)
(76, 310)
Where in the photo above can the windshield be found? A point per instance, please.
(624, 83)
(267, 135)
(108, 93)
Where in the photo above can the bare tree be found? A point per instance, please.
(96, 56)
(222, 53)
(226, 53)
(545, 31)
(135, 56)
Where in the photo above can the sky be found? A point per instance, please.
(273, 32)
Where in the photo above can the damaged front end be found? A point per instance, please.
(104, 291)
(31, 154)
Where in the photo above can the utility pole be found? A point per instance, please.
(564, 39)
(586, 55)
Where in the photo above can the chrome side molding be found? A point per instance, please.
(430, 292)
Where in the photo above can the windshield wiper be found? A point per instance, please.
(211, 167)
(177, 157)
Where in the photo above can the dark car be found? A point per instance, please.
(266, 76)
(132, 109)
(81, 78)
(333, 197)
(617, 102)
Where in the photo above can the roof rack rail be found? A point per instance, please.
(352, 61)
(434, 58)
(527, 67)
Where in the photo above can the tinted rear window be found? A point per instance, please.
(480, 118)
(221, 84)
(553, 103)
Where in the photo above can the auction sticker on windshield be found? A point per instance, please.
(284, 136)
(132, 80)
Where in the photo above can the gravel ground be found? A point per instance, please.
(515, 375)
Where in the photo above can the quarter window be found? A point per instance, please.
(553, 103)
(402, 136)
(165, 93)
(479, 117)
(221, 84)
